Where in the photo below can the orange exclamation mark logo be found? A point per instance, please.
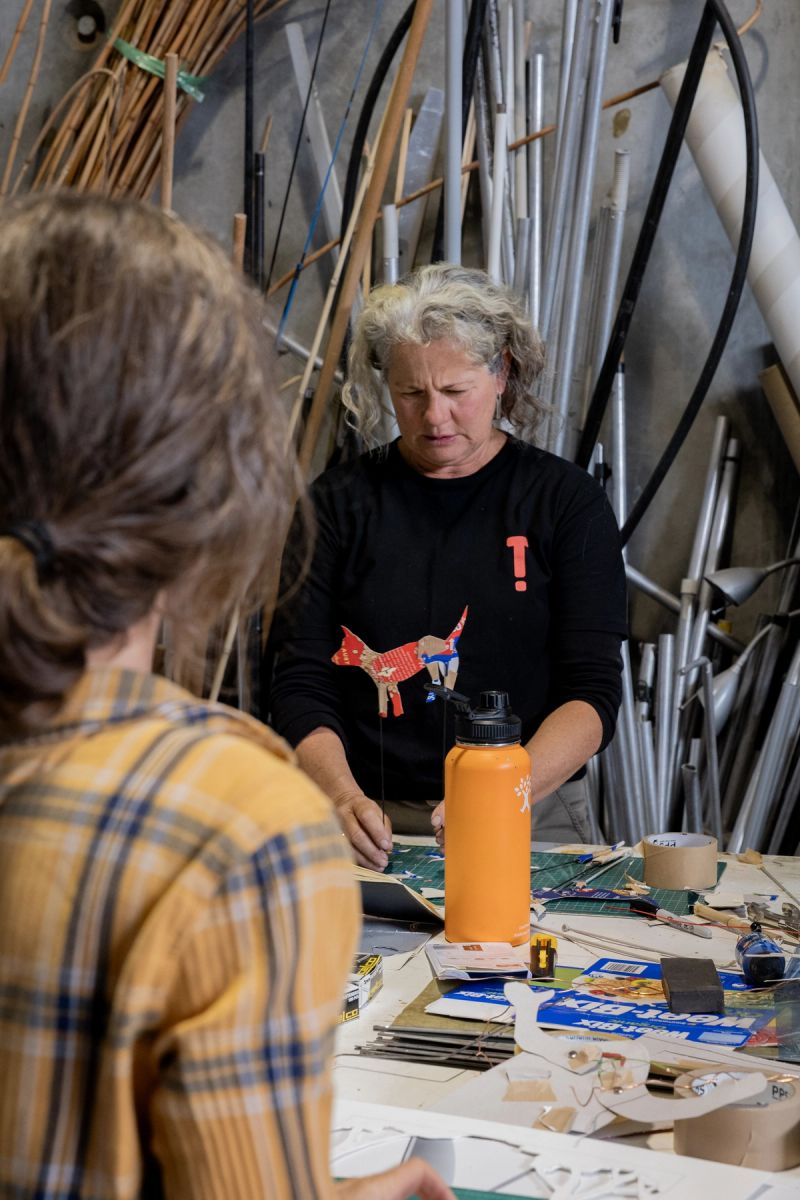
(519, 545)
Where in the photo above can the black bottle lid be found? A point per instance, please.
(492, 723)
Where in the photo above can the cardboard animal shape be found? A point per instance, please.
(387, 669)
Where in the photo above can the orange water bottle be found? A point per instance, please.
(487, 861)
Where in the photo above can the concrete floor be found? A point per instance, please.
(689, 269)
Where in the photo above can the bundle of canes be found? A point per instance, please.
(106, 133)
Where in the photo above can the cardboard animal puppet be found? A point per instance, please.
(388, 669)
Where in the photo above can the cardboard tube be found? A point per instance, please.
(762, 1132)
(680, 860)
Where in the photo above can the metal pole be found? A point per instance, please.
(454, 49)
(710, 734)
(508, 63)
(790, 795)
(498, 194)
(569, 17)
(616, 205)
(750, 826)
(580, 218)
(644, 684)
(522, 257)
(520, 155)
(716, 541)
(391, 244)
(668, 600)
(648, 759)
(619, 449)
(560, 209)
(535, 184)
(499, 93)
(694, 802)
(663, 723)
(484, 148)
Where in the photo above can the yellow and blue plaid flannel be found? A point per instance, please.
(178, 918)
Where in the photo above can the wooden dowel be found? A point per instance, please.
(402, 155)
(18, 32)
(168, 136)
(23, 112)
(371, 207)
(239, 235)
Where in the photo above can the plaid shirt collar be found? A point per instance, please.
(105, 696)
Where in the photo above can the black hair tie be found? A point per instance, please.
(34, 536)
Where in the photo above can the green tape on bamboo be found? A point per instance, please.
(191, 84)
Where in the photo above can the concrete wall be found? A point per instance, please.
(689, 270)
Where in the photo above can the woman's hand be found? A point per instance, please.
(366, 828)
(437, 821)
(412, 1178)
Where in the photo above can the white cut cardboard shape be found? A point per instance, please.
(631, 1099)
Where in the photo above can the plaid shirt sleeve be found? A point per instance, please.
(179, 921)
(242, 1103)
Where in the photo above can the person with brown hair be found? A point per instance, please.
(178, 910)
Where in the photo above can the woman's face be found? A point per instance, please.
(445, 405)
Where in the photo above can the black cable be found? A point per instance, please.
(249, 87)
(472, 44)
(297, 145)
(644, 244)
(367, 109)
(738, 276)
(359, 138)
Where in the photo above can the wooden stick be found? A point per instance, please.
(12, 49)
(469, 148)
(54, 115)
(265, 136)
(402, 155)
(222, 662)
(239, 235)
(371, 206)
(168, 137)
(23, 112)
(329, 298)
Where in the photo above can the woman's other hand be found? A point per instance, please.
(412, 1178)
(368, 830)
(437, 821)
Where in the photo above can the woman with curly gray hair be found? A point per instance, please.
(458, 552)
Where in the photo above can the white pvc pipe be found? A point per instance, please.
(520, 155)
(715, 135)
(454, 50)
(498, 193)
(535, 183)
(391, 243)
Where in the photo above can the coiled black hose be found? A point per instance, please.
(715, 11)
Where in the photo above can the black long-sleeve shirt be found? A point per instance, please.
(399, 557)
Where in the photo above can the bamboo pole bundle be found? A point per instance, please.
(109, 134)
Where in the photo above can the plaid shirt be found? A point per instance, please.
(178, 918)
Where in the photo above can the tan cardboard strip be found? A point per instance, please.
(680, 860)
(763, 1132)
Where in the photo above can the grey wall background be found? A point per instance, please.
(689, 270)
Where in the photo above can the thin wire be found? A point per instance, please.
(298, 141)
(383, 781)
(318, 207)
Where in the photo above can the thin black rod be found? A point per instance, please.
(297, 144)
(249, 106)
(738, 276)
(472, 45)
(644, 244)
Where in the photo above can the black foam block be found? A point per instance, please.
(692, 985)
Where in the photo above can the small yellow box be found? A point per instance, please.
(366, 980)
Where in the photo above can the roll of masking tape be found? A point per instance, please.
(762, 1132)
(680, 860)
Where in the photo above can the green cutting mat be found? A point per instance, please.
(423, 867)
